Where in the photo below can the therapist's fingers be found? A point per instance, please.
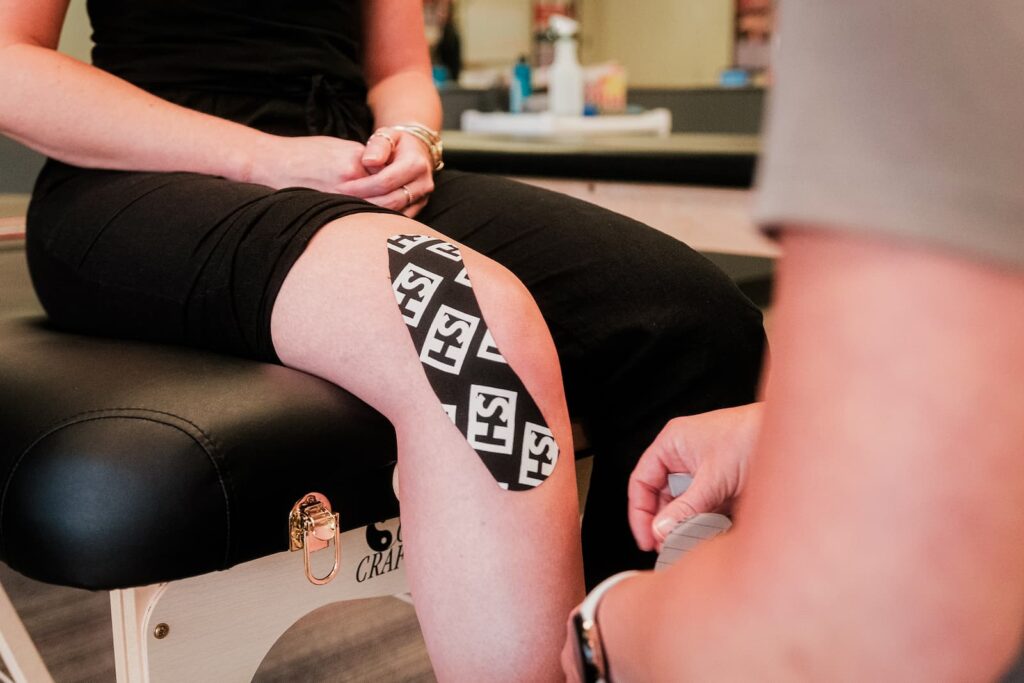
(714, 447)
(648, 484)
(705, 494)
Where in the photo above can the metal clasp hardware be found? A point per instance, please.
(311, 526)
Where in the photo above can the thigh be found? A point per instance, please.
(170, 257)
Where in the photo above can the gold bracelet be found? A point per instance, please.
(431, 139)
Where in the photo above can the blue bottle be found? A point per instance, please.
(521, 86)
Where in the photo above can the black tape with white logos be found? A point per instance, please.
(479, 391)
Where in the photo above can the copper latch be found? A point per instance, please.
(311, 526)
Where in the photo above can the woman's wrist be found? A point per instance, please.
(426, 136)
(252, 154)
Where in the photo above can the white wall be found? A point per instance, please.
(662, 43)
(75, 39)
(494, 32)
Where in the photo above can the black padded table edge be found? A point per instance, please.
(720, 160)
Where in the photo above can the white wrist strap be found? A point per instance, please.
(588, 608)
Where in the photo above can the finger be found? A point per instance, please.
(416, 207)
(665, 497)
(671, 516)
(396, 201)
(669, 452)
(379, 149)
(399, 201)
(643, 506)
(407, 165)
(703, 496)
(647, 482)
(405, 197)
(380, 183)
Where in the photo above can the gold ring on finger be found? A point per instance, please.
(382, 133)
(408, 195)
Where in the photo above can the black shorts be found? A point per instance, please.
(171, 257)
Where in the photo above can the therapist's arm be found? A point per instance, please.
(880, 536)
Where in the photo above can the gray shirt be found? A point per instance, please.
(900, 119)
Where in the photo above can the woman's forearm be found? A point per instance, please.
(84, 116)
(406, 96)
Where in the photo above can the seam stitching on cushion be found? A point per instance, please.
(200, 437)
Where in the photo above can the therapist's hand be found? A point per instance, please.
(405, 164)
(714, 448)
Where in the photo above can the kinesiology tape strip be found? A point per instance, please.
(477, 388)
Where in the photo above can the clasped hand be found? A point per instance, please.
(396, 176)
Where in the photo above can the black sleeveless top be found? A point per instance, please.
(289, 67)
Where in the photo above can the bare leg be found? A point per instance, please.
(493, 573)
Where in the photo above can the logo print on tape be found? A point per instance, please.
(492, 416)
(476, 387)
(414, 287)
(403, 243)
(540, 453)
(446, 249)
(488, 349)
(448, 339)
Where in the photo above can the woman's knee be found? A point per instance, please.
(353, 301)
(483, 335)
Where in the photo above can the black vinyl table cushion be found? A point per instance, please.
(126, 464)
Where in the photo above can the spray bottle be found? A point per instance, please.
(565, 75)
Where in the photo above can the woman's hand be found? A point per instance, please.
(318, 162)
(713, 447)
(401, 172)
(398, 176)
